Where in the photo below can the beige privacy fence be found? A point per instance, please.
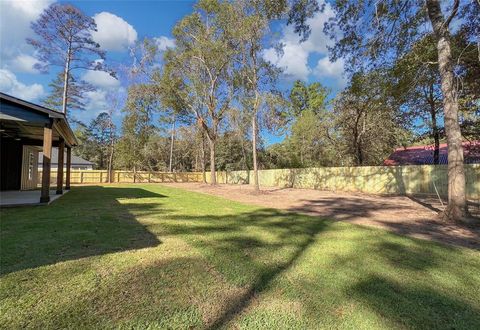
(414, 179)
(404, 180)
(101, 176)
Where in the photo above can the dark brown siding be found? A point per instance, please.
(10, 164)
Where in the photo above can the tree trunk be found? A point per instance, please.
(457, 205)
(244, 155)
(110, 163)
(359, 153)
(172, 139)
(301, 151)
(254, 152)
(196, 161)
(213, 177)
(435, 132)
(357, 142)
(244, 152)
(65, 84)
(202, 153)
(102, 156)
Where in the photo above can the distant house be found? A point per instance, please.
(77, 163)
(423, 155)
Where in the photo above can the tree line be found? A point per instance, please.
(208, 102)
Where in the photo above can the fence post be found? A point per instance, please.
(407, 179)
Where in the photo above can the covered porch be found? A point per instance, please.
(12, 198)
(25, 130)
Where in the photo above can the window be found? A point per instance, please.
(31, 161)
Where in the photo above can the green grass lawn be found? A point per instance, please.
(147, 257)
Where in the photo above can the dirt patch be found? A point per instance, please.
(412, 216)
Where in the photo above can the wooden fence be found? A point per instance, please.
(101, 176)
(399, 180)
(403, 180)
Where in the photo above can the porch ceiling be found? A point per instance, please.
(25, 130)
(22, 119)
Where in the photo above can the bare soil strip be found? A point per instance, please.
(411, 216)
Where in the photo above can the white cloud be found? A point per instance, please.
(293, 60)
(113, 32)
(163, 43)
(23, 63)
(15, 19)
(96, 101)
(295, 56)
(326, 68)
(31, 8)
(101, 79)
(10, 85)
(99, 101)
(317, 41)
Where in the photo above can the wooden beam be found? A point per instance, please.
(33, 142)
(69, 163)
(61, 150)
(47, 160)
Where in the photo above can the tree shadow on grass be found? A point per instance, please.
(254, 249)
(418, 256)
(250, 249)
(88, 221)
(415, 307)
(425, 304)
(393, 282)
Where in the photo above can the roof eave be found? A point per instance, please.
(63, 128)
(60, 120)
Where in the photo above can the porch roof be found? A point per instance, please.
(26, 120)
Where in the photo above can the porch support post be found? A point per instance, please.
(69, 162)
(61, 150)
(47, 160)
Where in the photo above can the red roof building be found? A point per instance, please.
(423, 155)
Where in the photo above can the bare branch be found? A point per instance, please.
(452, 14)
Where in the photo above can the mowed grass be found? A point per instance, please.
(148, 256)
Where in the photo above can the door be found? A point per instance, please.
(29, 168)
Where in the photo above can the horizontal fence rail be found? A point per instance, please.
(101, 176)
(398, 180)
(402, 180)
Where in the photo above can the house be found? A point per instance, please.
(25, 130)
(77, 163)
(423, 155)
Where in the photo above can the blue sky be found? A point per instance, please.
(120, 25)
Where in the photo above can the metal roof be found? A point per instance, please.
(75, 160)
(423, 155)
